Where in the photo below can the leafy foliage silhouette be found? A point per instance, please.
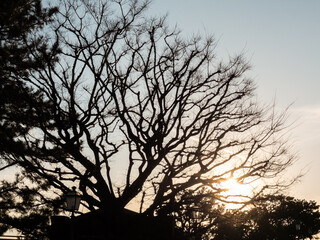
(19, 20)
(266, 217)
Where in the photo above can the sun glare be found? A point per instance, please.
(235, 192)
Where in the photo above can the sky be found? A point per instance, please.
(281, 40)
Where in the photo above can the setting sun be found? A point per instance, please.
(235, 193)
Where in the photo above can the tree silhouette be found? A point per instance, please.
(19, 203)
(271, 217)
(135, 113)
(282, 217)
(267, 217)
(198, 215)
(19, 20)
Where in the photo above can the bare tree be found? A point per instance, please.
(134, 111)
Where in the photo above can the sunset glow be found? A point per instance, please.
(235, 193)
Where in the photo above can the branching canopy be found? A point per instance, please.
(134, 111)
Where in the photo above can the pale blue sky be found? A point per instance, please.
(282, 41)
